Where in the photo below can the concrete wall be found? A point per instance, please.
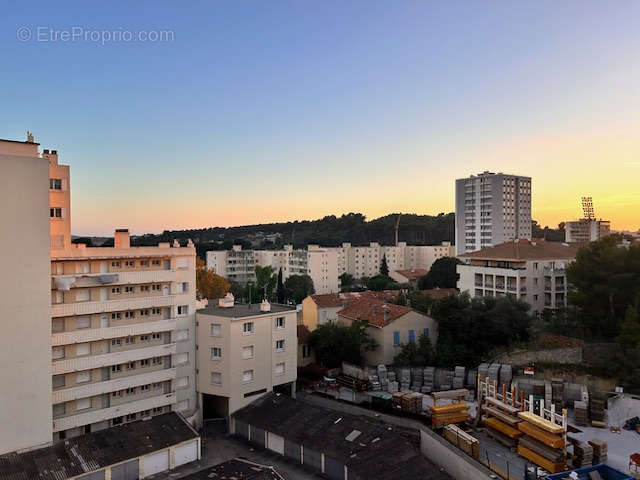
(455, 462)
(25, 343)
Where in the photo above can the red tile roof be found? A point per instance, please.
(372, 310)
(303, 334)
(413, 274)
(339, 299)
(525, 250)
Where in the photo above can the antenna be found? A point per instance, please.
(587, 208)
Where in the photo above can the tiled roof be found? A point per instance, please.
(303, 334)
(525, 250)
(339, 299)
(97, 450)
(437, 293)
(413, 274)
(373, 311)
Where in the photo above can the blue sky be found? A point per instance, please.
(267, 111)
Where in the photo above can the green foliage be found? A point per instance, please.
(630, 332)
(415, 353)
(401, 299)
(346, 281)
(606, 281)
(384, 268)
(442, 274)
(421, 302)
(549, 234)
(297, 287)
(88, 241)
(379, 282)
(468, 329)
(280, 291)
(334, 343)
(266, 281)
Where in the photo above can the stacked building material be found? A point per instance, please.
(462, 440)
(458, 377)
(506, 374)
(382, 377)
(543, 442)
(580, 410)
(405, 379)
(546, 391)
(501, 420)
(391, 375)
(392, 387)
(455, 412)
(428, 379)
(472, 378)
(412, 402)
(599, 451)
(596, 410)
(375, 383)
(483, 370)
(416, 379)
(494, 372)
(448, 380)
(557, 393)
(584, 455)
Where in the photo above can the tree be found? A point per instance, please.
(266, 281)
(208, 284)
(346, 280)
(442, 274)
(297, 287)
(280, 292)
(630, 331)
(412, 353)
(384, 268)
(335, 342)
(379, 282)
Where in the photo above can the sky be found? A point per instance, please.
(220, 113)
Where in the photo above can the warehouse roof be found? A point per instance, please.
(370, 450)
(237, 469)
(97, 450)
(525, 250)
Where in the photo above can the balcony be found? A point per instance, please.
(95, 334)
(102, 414)
(87, 308)
(83, 280)
(99, 388)
(105, 360)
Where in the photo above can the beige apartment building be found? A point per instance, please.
(586, 230)
(244, 351)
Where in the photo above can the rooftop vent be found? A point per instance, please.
(227, 301)
(265, 306)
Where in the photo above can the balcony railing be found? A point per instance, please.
(99, 388)
(95, 334)
(107, 359)
(102, 414)
(87, 308)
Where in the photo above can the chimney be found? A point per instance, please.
(121, 238)
(227, 301)
(265, 306)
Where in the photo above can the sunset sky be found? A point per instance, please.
(262, 111)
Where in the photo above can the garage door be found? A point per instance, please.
(156, 462)
(333, 468)
(125, 471)
(257, 436)
(242, 429)
(186, 453)
(93, 476)
(312, 458)
(292, 450)
(275, 443)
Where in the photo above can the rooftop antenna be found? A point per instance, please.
(587, 208)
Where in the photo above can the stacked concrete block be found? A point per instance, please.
(458, 377)
(428, 379)
(584, 455)
(405, 379)
(483, 370)
(383, 378)
(375, 383)
(472, 378)
(392, 387)
(416, 379)
(494, 372)
(506, 375)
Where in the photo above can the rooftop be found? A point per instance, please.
(242, 310)
(437, 293)
(373, 310)
(524, 249)
(370, 450)
(413, 274)
(339, 299)
(237, 469)
(97, 450)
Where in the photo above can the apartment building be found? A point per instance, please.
(491, 208)
(25, 305)
(586, 230)
(244, 351)
(530, 270)
(236, 265)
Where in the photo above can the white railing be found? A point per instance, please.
(99, 388)
(87, 308)
(94, 416)
(107, 359)
(95, 334)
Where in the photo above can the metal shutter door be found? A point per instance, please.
(312, 458)
(275, 443)
(186, 453)
(333, 468)
(292, 450)
(156, 462)
(125, 471)
(242, 429)
(93, 476)
(257, 435)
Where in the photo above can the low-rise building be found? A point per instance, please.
(530, 270)
(586, 230)
(390, 325)
(244, 351)
(306, 355)
(408, 276)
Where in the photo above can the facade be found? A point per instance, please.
(25, 307)
(586, 230)
(532, 271)
(244, 351)
(408, 276)
(390, 325)
(306, 356)
(491, 208)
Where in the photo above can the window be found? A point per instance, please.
(57, 381)
(145, 388)
(58, 409)
(130, 340)
(57, 325)
(144, 338)
(156, 336)
(248, 328)
(115, 316)
(279, 368)
(216, 378)
(131, 417)
(144, 313)
(425, 332)
(182, 335)
(115, 291)
(185, 287)
(129, 289)
(129, 314)
(116, 342)
(247, 376)
(412, 336)
(131, 391)
(155, 311)
(216, 330)
(83, 322)
(247, 352)
(216, 353)
(144, 288)
(183, 405)
(55, 212)
(396, 338)
(83, 404)
(129, 263)
(83, 295)
(82, 377)
(144, 263)
(155, 287)
(306, 351)
(183, 263)
(55, 183)
(131, 366)
(183, 309)
(117, 421)
(116, 368)
(279, 345)
(155, 262)
(158, 409)
(280, 322)
(83, 349)
(115, 264)
(182, 358)
(156, 361)
(144, 363)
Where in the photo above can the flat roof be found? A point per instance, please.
(242, 310)
(18, 141)
(238, 469)
(94, 451)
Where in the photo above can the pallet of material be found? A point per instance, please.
(447, 418)
(450, 394)
(449, 408)
(581, 417)
(553, 467)
(462, 440)
(540, 422)
(503, 417)
(549, 439)
(502, 406)
(502, 438)
(551, 454)
(502, 427)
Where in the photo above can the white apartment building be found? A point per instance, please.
(491, 208)
(244, 351)
(235, 265)
(586, 230)
(532, 271)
